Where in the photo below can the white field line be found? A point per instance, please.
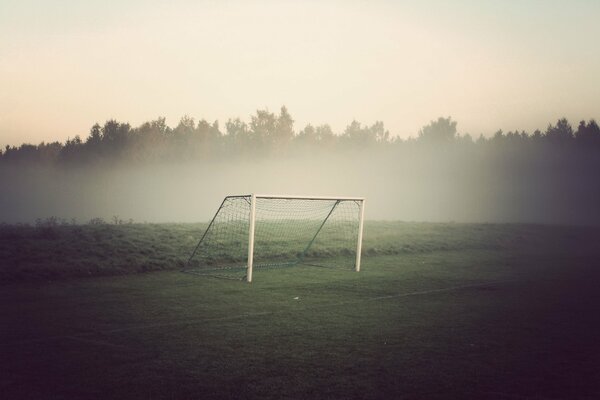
(82, 336)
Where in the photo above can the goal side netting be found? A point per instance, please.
(256, 232)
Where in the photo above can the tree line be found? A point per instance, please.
(268, 134)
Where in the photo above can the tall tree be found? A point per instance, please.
(561, 132)
(441, 131)
(588, 134)
(284, 128)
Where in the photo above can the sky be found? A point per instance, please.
(490, 65)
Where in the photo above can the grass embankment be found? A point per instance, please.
(54, 252)
(67, 251)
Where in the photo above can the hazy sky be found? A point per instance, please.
(489, 64)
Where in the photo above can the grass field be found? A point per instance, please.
(439, 311)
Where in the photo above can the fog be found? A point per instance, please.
(409, 182)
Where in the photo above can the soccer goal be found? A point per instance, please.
(255, 231)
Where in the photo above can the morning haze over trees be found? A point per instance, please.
(268, 133)
(154, 172)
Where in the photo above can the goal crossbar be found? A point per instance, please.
(292, 197)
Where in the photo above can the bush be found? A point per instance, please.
(97, 221)
(47, 228)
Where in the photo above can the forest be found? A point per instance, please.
(269, 134)
(157, 173)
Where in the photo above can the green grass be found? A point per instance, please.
(59, 252)
(439, 311)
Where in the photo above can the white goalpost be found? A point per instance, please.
(257, 231)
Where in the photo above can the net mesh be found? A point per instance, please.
(287, 232)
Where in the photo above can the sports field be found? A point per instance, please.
(439, 311)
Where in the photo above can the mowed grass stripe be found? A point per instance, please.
(82, 336)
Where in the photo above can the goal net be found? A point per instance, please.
(252, 232)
